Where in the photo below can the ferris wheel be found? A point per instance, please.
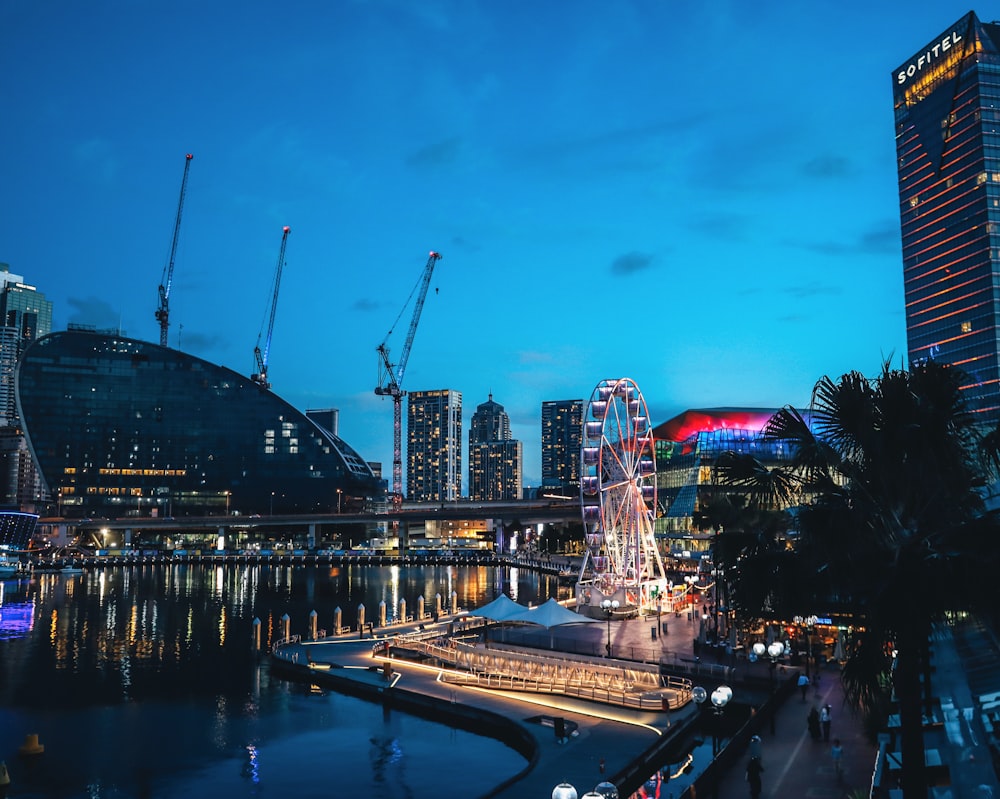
(618, 497)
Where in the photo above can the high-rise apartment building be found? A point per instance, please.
(434, 445)
(25, 315)
(562, 437)
(947, 116)
(494, 457)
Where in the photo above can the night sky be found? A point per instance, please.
(701, 197)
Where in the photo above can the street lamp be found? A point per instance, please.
(609, 606)
(691, 580)
(272, 504)
(339, 494)
(564, 791)
(720, 698)
(227, 503)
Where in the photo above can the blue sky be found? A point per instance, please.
(701, 197)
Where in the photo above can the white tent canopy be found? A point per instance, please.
(503, 608)
(549, 614)
(552, 614)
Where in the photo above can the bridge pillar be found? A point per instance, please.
(220, 540)
(437, 604)
(361, 618)
(313, 626)
(256, 634)
(286, 627)
(311, 536)
(420, 608)
(402, 611)
(381, 613)
(454, 602)
(338, 620)
(404, 537)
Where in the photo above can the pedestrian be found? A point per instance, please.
(837, 753)
(755, 747)
(812, 721)
(803, 685)
(825, 719)
(754, 769)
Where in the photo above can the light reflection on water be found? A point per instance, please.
(141, 682)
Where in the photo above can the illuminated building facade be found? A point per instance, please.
(120, 427)
(434, 446)
(947, 117)
(494, 456)
(687, 447)
(562, 438)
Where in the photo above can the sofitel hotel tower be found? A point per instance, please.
(947, 116)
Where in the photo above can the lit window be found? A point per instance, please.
(966, 327)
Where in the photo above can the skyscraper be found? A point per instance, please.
(434, 445)
(494, 457)
(562, 437)
(25, 315)
(947, 116)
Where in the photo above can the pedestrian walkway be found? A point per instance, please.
(797, 766)
(606, 741)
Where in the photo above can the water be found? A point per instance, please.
(141, 682)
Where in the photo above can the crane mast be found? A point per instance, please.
(391, 379)
(163, 310)
(260, 378)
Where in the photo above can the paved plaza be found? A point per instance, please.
(602, 741)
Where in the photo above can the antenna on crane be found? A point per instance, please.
(391, 377)
(163, 310)
(260, 378)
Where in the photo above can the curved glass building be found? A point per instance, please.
(120, 427)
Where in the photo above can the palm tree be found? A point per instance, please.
(892, 469)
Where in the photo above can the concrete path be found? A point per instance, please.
(606, 740)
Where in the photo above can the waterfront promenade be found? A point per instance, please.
(608, 742)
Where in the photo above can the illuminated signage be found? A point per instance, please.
(934, 52)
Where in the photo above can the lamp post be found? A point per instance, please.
(339, 494)
(272, 504)
(720, 698)
(227, 503)
(609, 606)
(691, 580)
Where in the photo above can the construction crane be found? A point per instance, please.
(260, 378)
(163, 311)
(391, 377)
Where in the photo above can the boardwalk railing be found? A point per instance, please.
(632, 685)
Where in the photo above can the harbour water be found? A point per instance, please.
(141, 681)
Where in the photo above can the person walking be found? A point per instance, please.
(803, 685)
(812, 721)
(837, 753)
(754, 769)
(825, 718)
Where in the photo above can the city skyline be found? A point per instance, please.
(703, 200)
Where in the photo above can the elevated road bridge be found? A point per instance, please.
(313, 527)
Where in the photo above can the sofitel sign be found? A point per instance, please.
(934, 52)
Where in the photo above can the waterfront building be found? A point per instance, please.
(687, 448)
(434, 446)
(120, 427)
(25, 315)
(494, 456)
(562, 438)
(947, 127)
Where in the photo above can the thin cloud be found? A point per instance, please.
(631, 262)
(827, 166)
(436, 154)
